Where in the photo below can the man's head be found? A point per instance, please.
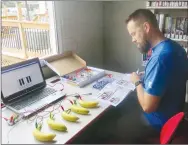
(141, 24)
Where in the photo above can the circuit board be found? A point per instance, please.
(84, 76)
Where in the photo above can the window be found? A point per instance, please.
(27, 31)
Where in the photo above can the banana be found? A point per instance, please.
(88, 104)
(55, 125)
(69, 117)
(41, 136)
(79, 110)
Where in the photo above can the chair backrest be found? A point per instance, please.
(169, 128)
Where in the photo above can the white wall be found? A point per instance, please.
(120, 53)
(91, 27)
(80, 28)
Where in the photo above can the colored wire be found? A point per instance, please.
(2, 105)
(6, 119)
(57, 84)
(56, 107)
(38, 117)
(11, 130)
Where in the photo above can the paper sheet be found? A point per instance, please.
(125, 82)
(115, 92)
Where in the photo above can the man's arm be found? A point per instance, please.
(156, 81)
(149, 103)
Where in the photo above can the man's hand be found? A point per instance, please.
(135, 77)
(141, 73)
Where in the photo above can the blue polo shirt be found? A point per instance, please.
(165, 77)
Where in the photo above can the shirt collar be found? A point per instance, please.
(154, 48)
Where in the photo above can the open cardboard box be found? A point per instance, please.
(69, 64)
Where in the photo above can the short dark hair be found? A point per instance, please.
(143, 15)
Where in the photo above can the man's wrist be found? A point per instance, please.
(137, 83)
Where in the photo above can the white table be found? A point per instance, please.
(21, 133)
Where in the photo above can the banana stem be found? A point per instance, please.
(68, 111)
(75, 102)
(51, 116)
(36, 125)
(39, 127)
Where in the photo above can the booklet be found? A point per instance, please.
(114, 93)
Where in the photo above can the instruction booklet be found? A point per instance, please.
(114, 93)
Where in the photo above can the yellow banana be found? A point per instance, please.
(79, 110)
(69, 117)
(56, 125)
(88, 104)
(41, 136)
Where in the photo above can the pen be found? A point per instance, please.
(137, 71)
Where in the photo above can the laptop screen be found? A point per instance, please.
(21, 78)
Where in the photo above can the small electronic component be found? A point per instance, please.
(14, 119)
(83, 76)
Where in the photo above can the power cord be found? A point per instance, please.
(11, 130)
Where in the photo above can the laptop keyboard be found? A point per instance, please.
(33, 98)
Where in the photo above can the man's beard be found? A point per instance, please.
(145, 47)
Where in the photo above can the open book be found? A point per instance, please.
(114, 93)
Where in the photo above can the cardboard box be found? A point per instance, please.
(73, 69)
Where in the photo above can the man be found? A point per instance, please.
(161, 92)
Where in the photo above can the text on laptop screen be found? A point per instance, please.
(20, 78)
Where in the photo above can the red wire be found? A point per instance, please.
(2, 105)
(49, 105)
(70, 101)
(80, 97)
(4, 118)
(48, 112)
(38, 116)
(57, 84)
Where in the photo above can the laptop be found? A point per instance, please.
(24, 89)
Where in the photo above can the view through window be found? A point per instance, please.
(25, 31)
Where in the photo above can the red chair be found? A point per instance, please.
(169, 130)
(172, 130)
